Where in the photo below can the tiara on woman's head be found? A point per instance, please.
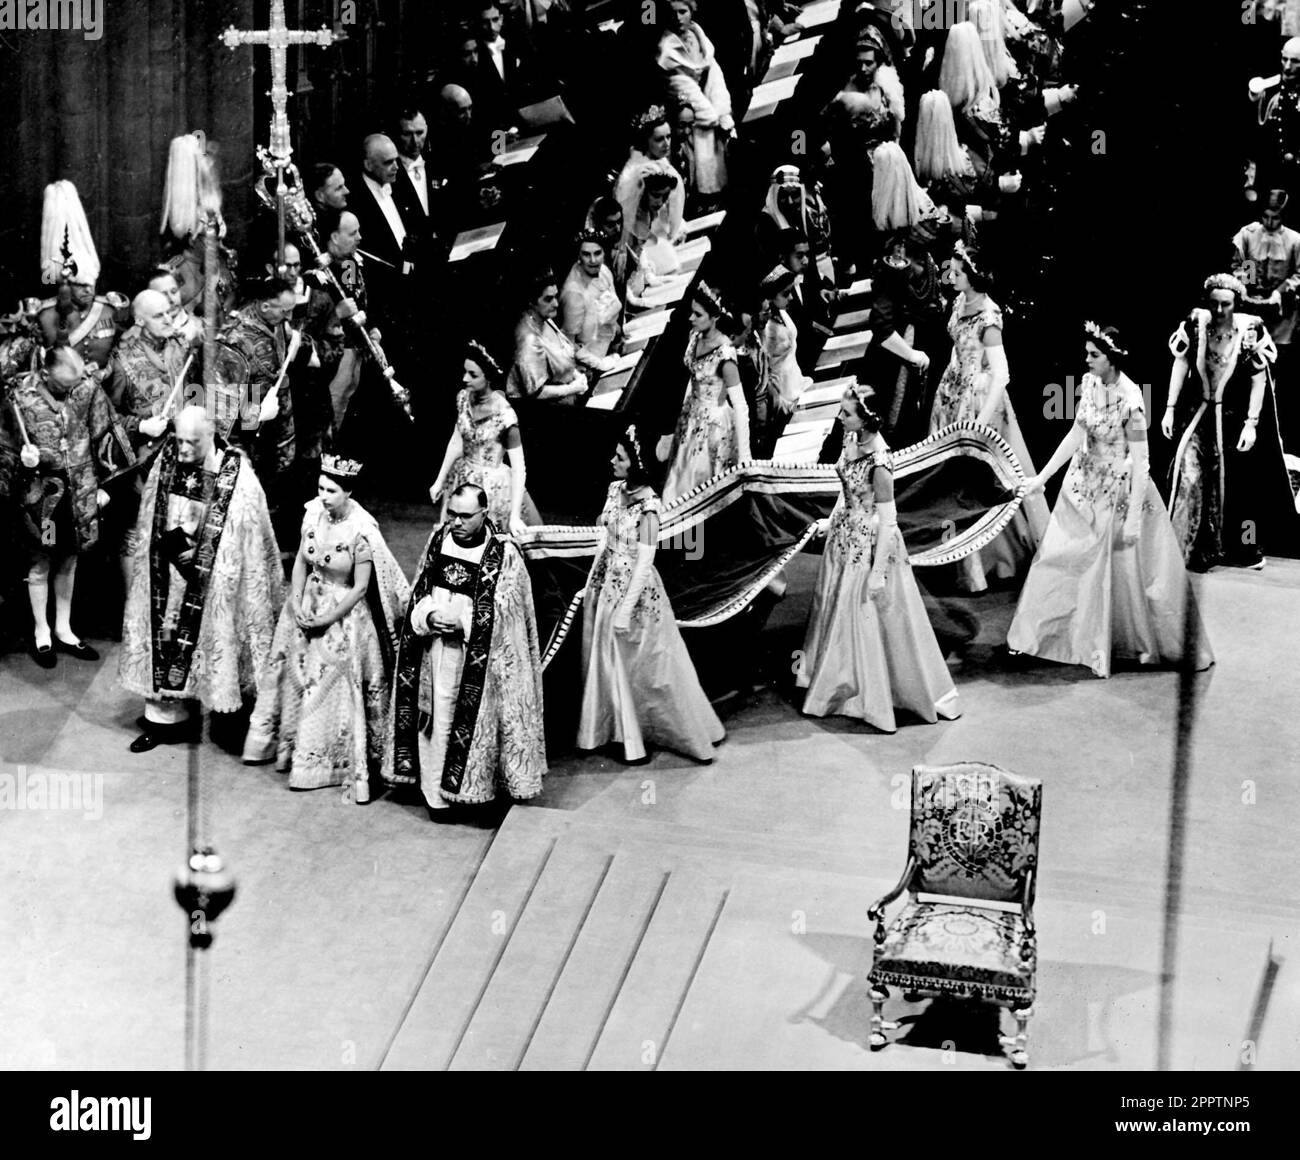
(1104, 340)
(967, 259)
(337, 466)
(710, 297)
(587, 236)
(779, 276)
(654, 115)
(1225, 282)
(477, 352)
(634, 442)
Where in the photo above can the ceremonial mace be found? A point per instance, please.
(295, 211)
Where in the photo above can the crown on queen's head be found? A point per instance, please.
(343, 468)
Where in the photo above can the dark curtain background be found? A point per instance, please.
(101, 113)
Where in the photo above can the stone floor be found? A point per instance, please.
(362, 937)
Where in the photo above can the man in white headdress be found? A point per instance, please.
(76, 316)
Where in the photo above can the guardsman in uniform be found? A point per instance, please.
(76, 316)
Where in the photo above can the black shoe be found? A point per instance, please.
(44, 655)
(155, 735)
(146, 741)
(81, 650)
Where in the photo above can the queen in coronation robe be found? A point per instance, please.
(326, 717)
(206, 583)
(467, 696)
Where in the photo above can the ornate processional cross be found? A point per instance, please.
(279, 38)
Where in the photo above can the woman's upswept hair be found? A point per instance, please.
(938, 153)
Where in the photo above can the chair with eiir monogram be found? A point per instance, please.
(967, 929)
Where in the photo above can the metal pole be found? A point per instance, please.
(1177, 835)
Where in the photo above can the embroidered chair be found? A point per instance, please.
(974, 844)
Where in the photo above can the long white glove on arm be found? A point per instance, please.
(1000, 375)
(1139, 473)
(1060, 457)
(645, 561)
(740, 407)
(886, 537)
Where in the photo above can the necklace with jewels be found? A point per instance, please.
(343, 515)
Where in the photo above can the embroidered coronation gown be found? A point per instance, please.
(705, 442)
(324, 715)
(1089, 597)
(483, 459)
(864, 656)
(639, 687)
(962, 392)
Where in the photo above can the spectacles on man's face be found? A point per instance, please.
(465, 517)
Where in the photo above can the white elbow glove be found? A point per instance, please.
(1140, 473)
(645, 559)
(886, 535)
(740, 407)
(999, 375)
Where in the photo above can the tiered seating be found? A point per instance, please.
(642, 329)
(815, 413)
(789, 62)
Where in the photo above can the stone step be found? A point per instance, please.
(446, 1003)
(519, 990)
(645, 1012)
(585, 993)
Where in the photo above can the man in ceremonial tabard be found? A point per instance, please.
(60, 441)
(338, 347)
(75, 316)
(467, 696)
(259, 331)
(147, 367)
(206, 584)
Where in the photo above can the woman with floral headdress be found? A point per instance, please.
(686, 55)
(639, 685)
(974, 389)
(1108, 581)
(485, 448)
(869, 648)
(324, 715)
(713, 430)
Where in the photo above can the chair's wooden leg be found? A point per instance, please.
(878, 1025)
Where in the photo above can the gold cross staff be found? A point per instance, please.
(278, 38)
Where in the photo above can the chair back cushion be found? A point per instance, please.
(974, 831)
